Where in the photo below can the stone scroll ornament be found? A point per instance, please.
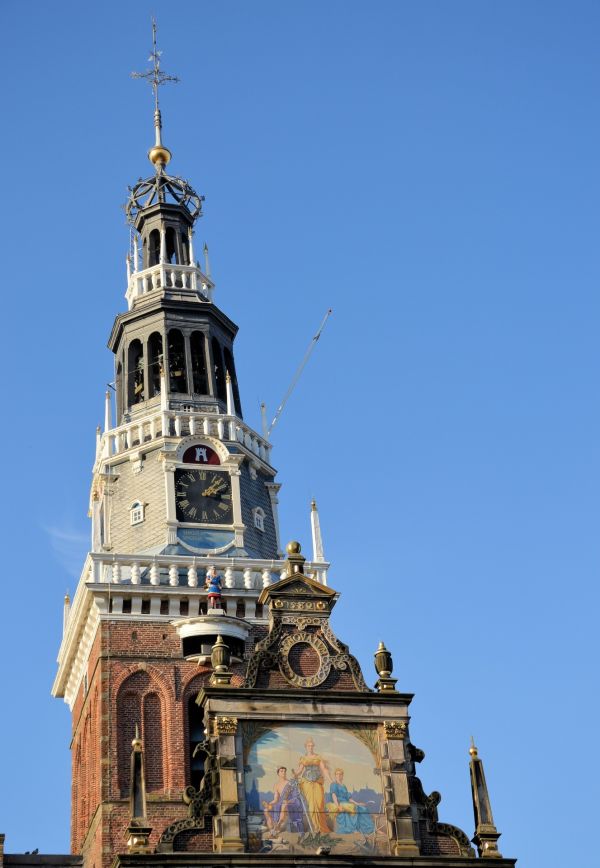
(202, 802)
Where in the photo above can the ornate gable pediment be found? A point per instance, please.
(301, 650)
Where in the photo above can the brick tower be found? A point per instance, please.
(216, 717)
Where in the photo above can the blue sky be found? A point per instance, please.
(430, 171)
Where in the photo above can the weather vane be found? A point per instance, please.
(159, 155)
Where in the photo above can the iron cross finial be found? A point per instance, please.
(159, 155)
(155, 76)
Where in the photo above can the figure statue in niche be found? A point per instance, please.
(213, 584)
(348, 814)
(312, 771)
(284, 812)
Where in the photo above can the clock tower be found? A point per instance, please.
(217, 719)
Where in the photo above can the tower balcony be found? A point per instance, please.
(161, 423)
(172, 278)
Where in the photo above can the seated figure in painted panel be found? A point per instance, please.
(284, 812)
(348, 814)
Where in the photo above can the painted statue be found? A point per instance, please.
(312, 771)
(347, 814)
(213, 585)
(284, 812)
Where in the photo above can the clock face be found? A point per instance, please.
(203, 496)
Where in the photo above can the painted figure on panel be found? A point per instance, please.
(285, 811)
(348, 814)
(312, 771)
(300, 798)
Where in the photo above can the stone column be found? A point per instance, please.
(398, 807)
(228, 836)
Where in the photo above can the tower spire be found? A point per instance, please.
(159, 155)
(486, 835)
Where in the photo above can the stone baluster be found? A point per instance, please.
(178, 425)
(141, 433)
(153, 428)
(194, 281)
(266, 578)
(192, 576)
(192, 425)
(173, 576)
(145, 283)
(116, 573)
(220, 429)
(154, 574)
(248, 578)
(135, 573)
(97, 571)
(229, 577)
(206, 425)
(173, 277)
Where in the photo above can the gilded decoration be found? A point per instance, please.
(226, 725)
(394, 728)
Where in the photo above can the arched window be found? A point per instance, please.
(153, 746)
(135, 373)
(119, 391)
(155, 360)
(196, 737)
(259, 518)
(138, 703)
(154, 248)
(198, 352)
(177, 375)
(171, 248)
(185, 250)
(230, 368)
(219, 370)
(137, 512)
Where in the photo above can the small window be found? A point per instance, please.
(259, 518)
(136, 511)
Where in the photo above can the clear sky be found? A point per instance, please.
(429, 170)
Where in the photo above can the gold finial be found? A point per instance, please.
(136, 744)
(293, 548)
(67, 597)
(227, 377)
(159, 155)
(313, 505)
(473, 749)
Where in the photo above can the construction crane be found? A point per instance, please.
(267, 429)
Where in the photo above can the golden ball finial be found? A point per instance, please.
(159, 154)
(473, 749)
(293, 548)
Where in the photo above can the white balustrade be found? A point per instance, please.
(171, 276)
(162, 422)
(248, 574)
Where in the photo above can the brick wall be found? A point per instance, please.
(135, 675)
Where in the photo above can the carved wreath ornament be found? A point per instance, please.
(302, 637)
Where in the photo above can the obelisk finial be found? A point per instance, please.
(486, 834)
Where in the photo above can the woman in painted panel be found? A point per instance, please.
(312, 772)
(348, 814)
